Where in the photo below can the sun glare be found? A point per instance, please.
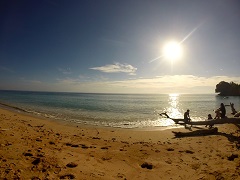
(173, 108)
(172, 51)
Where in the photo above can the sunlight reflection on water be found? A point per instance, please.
(173, 108)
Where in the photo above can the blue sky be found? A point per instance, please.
(112, 46)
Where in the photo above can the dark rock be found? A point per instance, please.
(36, 161)
(71, 165)
(147, 165)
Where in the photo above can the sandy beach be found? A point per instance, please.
(35, 148)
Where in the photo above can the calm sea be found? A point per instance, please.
(117, 110)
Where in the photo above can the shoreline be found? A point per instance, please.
(72, 123)
(118, 111)
(31, 147)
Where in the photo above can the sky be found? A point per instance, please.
(105, 46)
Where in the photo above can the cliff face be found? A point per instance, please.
(228, 89)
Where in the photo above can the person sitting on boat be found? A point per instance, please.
(187, 116)
(218, 114)
(222, 110)
(210, 118)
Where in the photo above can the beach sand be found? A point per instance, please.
(34, 148)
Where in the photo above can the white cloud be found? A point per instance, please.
(65, 71)
(30, 81)
(114, 42)
(2, 68)
(116, 68)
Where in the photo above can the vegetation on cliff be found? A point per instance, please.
(228, 89)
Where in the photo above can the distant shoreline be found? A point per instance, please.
(29, 91)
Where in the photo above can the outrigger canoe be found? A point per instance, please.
(232, 120)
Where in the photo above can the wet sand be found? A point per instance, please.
(35, 148)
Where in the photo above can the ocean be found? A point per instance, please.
(116, 110)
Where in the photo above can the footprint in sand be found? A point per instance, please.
(74, 145)
(122, 176)
(27, 154)
(170, 149)
(35, 178)
(104, 147)
(232, 157)
(51, 142)
(67, 176)
(189, 152)
(36, 161)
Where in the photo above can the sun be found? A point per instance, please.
(172, 51)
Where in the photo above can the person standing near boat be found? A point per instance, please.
(187, 116)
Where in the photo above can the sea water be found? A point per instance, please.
(117, 110)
